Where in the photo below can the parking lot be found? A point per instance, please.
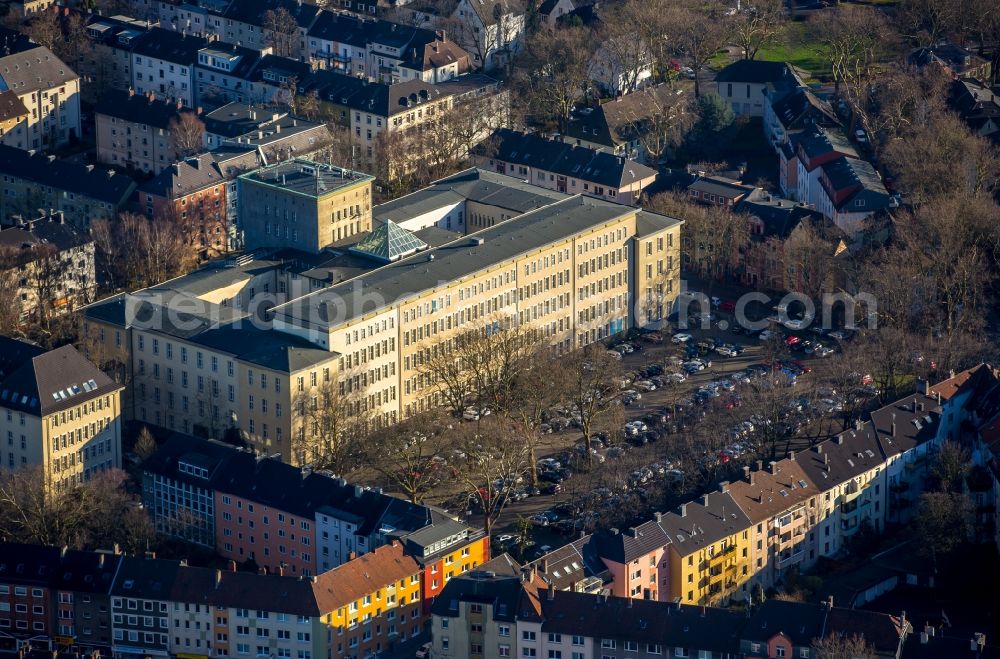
(690, 415)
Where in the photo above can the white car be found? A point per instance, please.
(645, 385)
(766, 335)
(861, 136)
(681, 338)
(795, 324)
(677, 377)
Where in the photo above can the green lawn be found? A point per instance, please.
(800, 51)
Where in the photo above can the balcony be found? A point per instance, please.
(719, 557)
(789, 558)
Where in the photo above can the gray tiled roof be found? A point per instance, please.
(34, 69)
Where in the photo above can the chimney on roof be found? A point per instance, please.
(760, 465)
(552, 592)
(543, 565)
(704, 500)
(772, 467)
(978, 642)
(152, 96)
(352, 555)
(615, 531)
(839, 439)
(683, 510)
(218, 578)
(281, 570)
(826, 458)
(232, 565)
(892, 429)
(62, 551)
(922, 386)
(748, 474)
(100, 560)
(829, 603)
(629, 605)
(723, 486)
(951, 373)
(117, 549)
(262, 570)
(658, 516)
(858, 424)
(791, 456)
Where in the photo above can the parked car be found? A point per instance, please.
(424, 651)
(680, 337)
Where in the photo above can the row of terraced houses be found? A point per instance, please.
(785, 515)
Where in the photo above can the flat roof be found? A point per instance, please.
(443, 265)
(306, 177)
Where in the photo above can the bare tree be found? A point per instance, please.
(145, 444)
(592, 380)
(810, 259)
(45, 29)
(410, 456)
(662, 122)
(554, 73)
(137, 252)
(538, 385)
(281, 32)
(331, 425)
(187, 134)
(757, 24)
(839, 646)
(10, 297)
(623, 54)
(715, 237)
(943, 521)
(96, 513)
(700, 30)
(491, 468)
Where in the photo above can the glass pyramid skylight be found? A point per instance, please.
(389, 242)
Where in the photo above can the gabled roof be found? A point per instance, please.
(11, 106)
(623, 547)
(780, 217)
(764, 493)
(647, 622)
(140, 108)
(854, 173)
(170, 46)
(703, 522)
(755, 72)
(585, 164)
(246, 590)
(252, 11)
(389, 242)
(511, 596)
(721, 187)
(185, 177)
(42, 382)
(146, 578)
(571, 564)
(96, 183)
(797, 621)
(363, 575)
(620, 120)
(33, 70)
(50, 230)
(802, 108)
(849, 454)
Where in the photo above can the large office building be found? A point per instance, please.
(357, 317)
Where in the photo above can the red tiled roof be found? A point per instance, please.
(363, 575)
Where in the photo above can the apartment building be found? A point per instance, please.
(374, 602)
(13, 120)
(502, 610)
(177, 487)
(563, 167)
(783, 508)
(277, 134)
(134, 130)
(746, 84)
(444, 549)
(82, 193)
(490, 31)
(49, 91)
(107, 66)
(620, 126)
(58, 412)
(376, 113)
(328, 204)
(225, 613)
(193, 193)
(290, 521)
(222, 70)
(50, 263)
(140, 607)
(56, 593)
(383, 51)
(163, 62)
